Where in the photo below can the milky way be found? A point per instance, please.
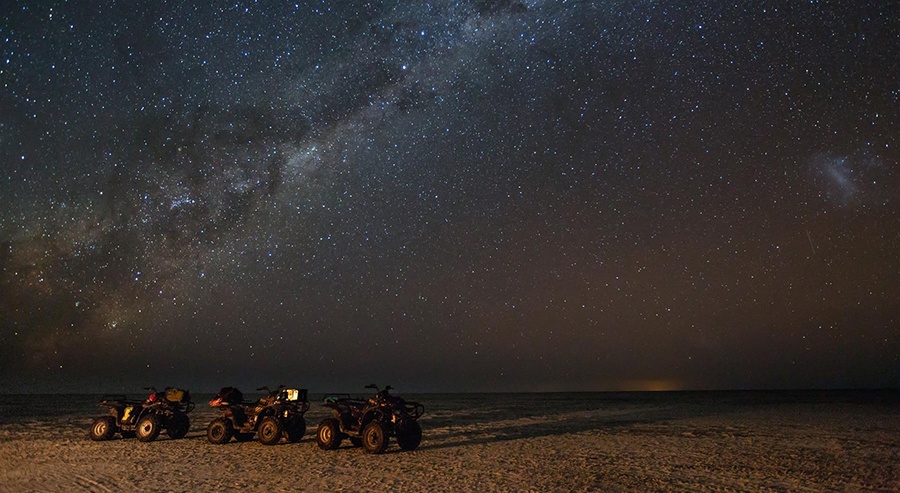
(481, 195)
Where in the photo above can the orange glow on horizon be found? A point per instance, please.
(651, 385)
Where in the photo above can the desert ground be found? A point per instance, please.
(492, 442)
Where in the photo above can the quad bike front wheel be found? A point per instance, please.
(296, 427)
(374, 438)
(178, 426)
(328, 436)
(103, 428)
(148, 428)
(270, 430)
(409, 435)
(219, 431)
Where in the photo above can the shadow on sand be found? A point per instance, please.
(482, 419)
(505, 430)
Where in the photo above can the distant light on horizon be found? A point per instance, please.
(651, 385)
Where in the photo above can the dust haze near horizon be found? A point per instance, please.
(449, 196)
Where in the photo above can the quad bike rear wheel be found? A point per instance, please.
(148, 428)
(270, 430)
(219, 431)
(295, 429)
(374, 438)
(178, 426)
(409, 435)
(328, 436)
(103, 428)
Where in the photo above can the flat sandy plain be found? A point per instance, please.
(704, 441)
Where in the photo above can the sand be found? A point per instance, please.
(496, 443)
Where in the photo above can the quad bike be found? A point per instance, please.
(371, 422)
(145, 419)
(279, 413)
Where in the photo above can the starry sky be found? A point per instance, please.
(484, 195)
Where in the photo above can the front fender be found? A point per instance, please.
(373, 415)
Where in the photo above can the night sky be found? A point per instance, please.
(449, 196)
